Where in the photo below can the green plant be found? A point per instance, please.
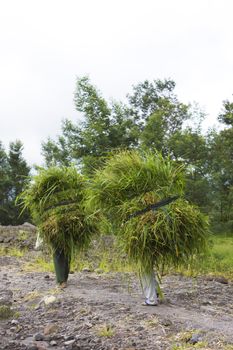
(13, 251)
(5, 312)
(23, 235)
(106, 331)
(55, 198)
(130, 182)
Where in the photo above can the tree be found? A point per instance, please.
(14, 175)
(4, 184)
(103, 129)
(190, 148)
(222, 166)
(106, 127)
(158, 99)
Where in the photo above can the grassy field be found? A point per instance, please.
(218, 261)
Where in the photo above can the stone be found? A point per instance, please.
(49, 299)
(86, 269)
(195, 339)
(50, 328)
(69, 342)
(14, 322)
(6, 297)
(53, 343)
(38, 337)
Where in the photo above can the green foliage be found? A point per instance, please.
(5, 312)
(105, 331)
(226, 116)
(221, 171)
(218, 261)
(131, 181)
(14, 173)
(104, 128)
(55, 198)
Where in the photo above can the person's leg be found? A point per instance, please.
(149, 287)
(61, 265)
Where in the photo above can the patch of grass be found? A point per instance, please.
(5, 312)
(181, 341)
(106, 331)
(13, 251)
(32, 296)
(200, 345)
(40, 264)
(151, 323)
(218, 262)
(23, 235)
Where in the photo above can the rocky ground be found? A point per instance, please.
(103, 311)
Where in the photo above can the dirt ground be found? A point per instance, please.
(104, 311)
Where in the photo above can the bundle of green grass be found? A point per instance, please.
(131, 182)
(55, 198)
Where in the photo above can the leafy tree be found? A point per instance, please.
(14, 172)
(158, 99)
(222, 166)
(4, 183)
(190, 148)
(104, 128)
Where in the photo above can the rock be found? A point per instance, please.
(68, 337)
(86, 269)
(221, 279)
(53, 343)
(6, 297)
(206, 302)
(32, 347)
(27, 224)
(166, 322)
(49, 299)
(14, 322)
(195, 339)
(50, 328)
(38, 337)
(69, 342)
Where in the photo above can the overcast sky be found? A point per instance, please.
(46, 44)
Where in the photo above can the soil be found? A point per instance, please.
(103, 311)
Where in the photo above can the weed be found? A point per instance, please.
(39, 265)
(13, 251)
(5, 312)
(32, 296)
(23, 235)
(105, 331)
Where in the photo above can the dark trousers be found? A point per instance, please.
(61, 265)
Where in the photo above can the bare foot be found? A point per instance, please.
(62, 285)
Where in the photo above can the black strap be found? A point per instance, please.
(153, 207)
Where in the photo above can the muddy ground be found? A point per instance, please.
(105, 311)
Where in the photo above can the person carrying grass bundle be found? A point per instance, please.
(55, 198)
(140, 195)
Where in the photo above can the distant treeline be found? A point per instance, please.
(152, 118)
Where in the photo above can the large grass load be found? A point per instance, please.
(131, 182)
(55, 198)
